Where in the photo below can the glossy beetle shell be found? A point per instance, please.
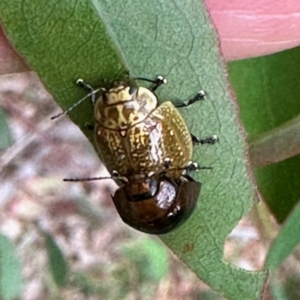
(161, 213)
(135, 136)
(141, 140)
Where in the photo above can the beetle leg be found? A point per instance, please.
(84, 85)
(160, 80)
(209, 140)
(193, 166)
(198, 97)
(167, 163)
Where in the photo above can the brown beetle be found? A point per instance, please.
(163, 205)
(147, 148)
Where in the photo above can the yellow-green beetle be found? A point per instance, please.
(147, 148)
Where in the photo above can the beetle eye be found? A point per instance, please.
(132, 90)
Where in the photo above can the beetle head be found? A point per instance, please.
(122, 106)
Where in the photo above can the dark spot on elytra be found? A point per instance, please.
(127, 112)
(136, 131)
(112, 113)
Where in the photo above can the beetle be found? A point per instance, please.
(147, 148)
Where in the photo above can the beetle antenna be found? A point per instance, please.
(115, 176)
(160, 80)
(198, 97)
(195, 167)
(192, 166)
(76, 104)
(86, 179)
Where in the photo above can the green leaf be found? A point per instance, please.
(277, 144)
(5, 134)
(149, 257)
(100, 39)
(10, 271)
(57, 263)
(286, 240)
(267, 89)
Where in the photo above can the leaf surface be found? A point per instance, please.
(267, 89)
(95, 40)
